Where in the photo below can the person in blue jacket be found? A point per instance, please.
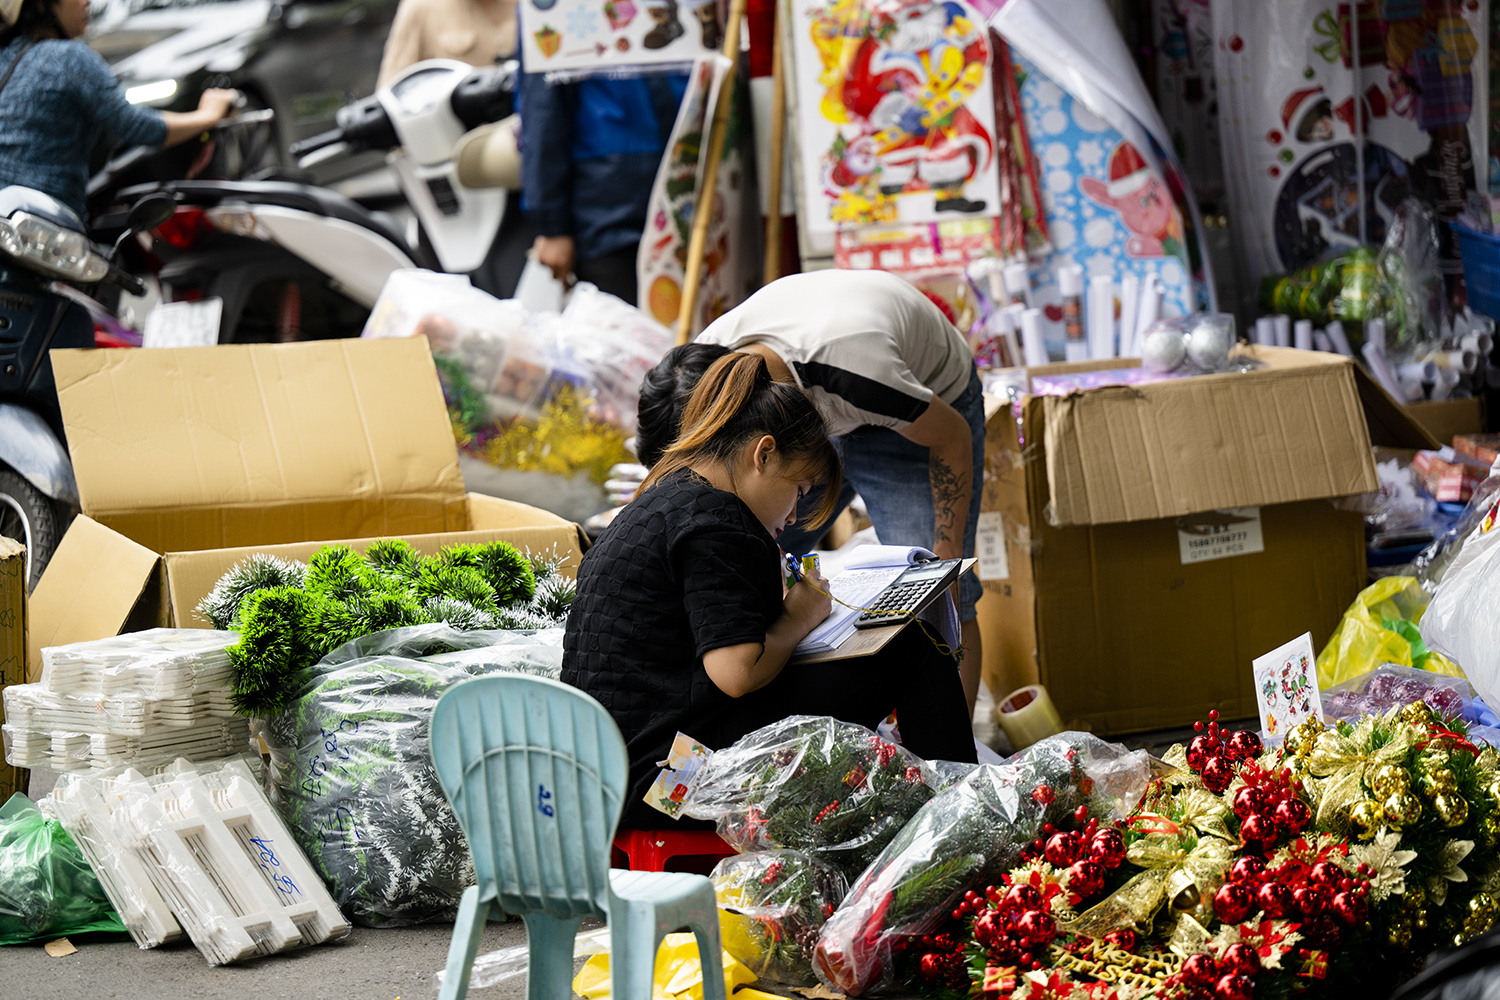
(589, 155)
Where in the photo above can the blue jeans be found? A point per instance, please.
(891, 473)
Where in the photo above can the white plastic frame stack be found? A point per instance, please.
(157, 694)
(212, 851)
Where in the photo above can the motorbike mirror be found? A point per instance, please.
(150, 212)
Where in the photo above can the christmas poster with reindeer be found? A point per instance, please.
(896, 119)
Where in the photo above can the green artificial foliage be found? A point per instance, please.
(460, 614)
(503, 566)
(258, 572)
(338, 572)
(394, 557)
(464, 583)
(275, 628)
(554, 596)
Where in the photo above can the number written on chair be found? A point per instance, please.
(542, 805)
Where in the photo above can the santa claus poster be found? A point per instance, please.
(895, 120)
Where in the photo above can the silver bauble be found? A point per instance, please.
(1163, 350)
(1208, 346)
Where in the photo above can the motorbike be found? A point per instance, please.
(293, 261)
(42, 244)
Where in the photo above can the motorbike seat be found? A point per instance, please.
(15, 198)
(304, 197)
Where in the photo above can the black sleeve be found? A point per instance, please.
(731, 590)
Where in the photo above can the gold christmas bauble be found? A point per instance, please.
(1417, 713)
(1482, 904)
(1367, 818)
(1399, 933)
(1402, 809)
(1451, 808)
(1489, 831)
(1390, 779)
(1493, 791)
(1293, 741)
(1443, 778)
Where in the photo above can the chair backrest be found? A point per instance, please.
(536, 771)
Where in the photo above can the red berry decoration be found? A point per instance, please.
(1022, 897)
(1258, 829)
(1233, 902)
(1350, 908)
(1247, 870)
(1251, 799)
(1243, 745)
(1274, 898)
(1086, 878)
(1108, 848)
(1043, 795)
(1125, 939)
(1199, 970)
(1240, 960)
(1311, 901)
(1293, 815)
(1062, 849)
(1326, 874)
(1036, 928)
(1234, 987)
(1217, 774)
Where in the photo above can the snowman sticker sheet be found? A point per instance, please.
(593, 35)
(1286, 686)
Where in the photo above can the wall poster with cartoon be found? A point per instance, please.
(1301, 81)
(593, 35)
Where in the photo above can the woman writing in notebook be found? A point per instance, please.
(682, 622)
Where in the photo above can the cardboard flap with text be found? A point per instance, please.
(1295, 430)
(257, 426)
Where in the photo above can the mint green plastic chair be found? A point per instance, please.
(535, 771)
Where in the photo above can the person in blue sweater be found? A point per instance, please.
(59, 97)
(589, 155)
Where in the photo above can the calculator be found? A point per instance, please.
(910, 592)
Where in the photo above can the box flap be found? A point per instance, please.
(1294, 430)
(1391, 424)
(94, 579)
(256, 425)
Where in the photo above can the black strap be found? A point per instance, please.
(25, 48)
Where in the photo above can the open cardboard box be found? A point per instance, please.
(1146, 542)
(190, 459)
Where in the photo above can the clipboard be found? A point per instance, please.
(867, 641)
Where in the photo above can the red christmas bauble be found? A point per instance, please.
(1036, 928)
(989, 928)
(1199, 970)
(1274, 898)
(1108, 848)
(1022, 897)
(1249, 869)
(1201, 749)
(1258, 829)
(1234, 987)
(1233, 902)
(1243, 745)
(1293, 815)
(932, 967)
(1349, 907)
(1250, 799)
(1125, 939)
(1217, 773)
(1043, 795)
(1326, 874)
(1311, 900)
(1240, 959)
(1062, 849)
(1322, 931)
(1086, 878)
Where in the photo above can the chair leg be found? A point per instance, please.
(711, 955)
(465, 944)
(633, 940)
(549, 965)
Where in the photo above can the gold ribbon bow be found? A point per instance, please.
(1340, 762)
(1174, 862)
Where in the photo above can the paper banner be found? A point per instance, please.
(611, 35)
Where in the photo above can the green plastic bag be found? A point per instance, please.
(1381, 627)
(47, 889)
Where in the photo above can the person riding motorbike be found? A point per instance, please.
(59, 99)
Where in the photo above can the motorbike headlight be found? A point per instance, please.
(150, 93)
(51, 248)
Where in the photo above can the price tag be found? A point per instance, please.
(1219, 534)
(989, 546)
(183, 324)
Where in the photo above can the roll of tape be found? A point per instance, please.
(1028, 715)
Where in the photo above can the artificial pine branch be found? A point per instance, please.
(272, 649)
(258, 572)
(338, 572)
(394, 556)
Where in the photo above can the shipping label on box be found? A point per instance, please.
(989, 546)
(1286, 686)
(1219, 534)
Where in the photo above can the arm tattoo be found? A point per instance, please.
(948, 487)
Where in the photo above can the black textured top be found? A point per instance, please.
(684, 569)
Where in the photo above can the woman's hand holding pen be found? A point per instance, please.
(808, 602)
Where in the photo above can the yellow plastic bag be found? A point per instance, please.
(1380, 627)
(678, 974)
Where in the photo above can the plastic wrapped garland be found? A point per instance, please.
(772, 905)
(47, 889)
(811, 783)
(966, 838)
(353, 766)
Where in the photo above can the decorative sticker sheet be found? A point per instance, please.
(1286, 686)
(1185, 90)
(594, 35)
(896, 121)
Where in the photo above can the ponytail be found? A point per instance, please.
(736, 402)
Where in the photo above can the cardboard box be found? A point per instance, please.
(189, 459)
(12, 644)
(1142, 544)
(1446, 418)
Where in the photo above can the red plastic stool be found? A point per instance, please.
(649, 850)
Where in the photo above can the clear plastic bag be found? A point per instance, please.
(1432, 563)
(966, 838)
(47, 889)
(1463, 620)
(352, 766)
(772, 904)
(1390, 686)
(832, 789)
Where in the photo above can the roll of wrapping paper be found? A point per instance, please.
(1028, 715)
